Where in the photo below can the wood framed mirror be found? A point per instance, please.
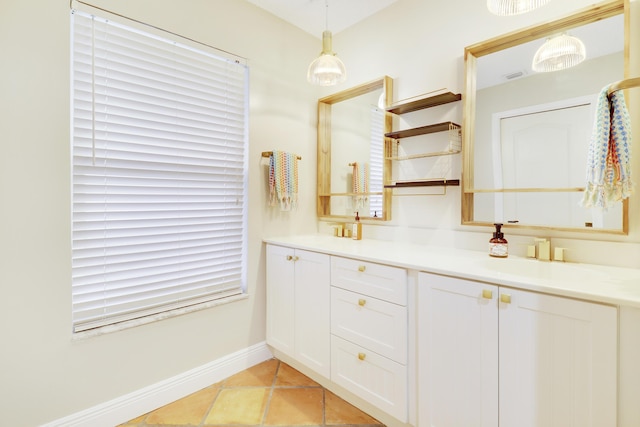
(526, 135)
(351, 128)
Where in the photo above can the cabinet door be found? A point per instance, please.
(280, 298)
(457, 353)
(558, 362)
(312, 310)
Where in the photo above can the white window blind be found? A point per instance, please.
(376, 154)
(159, 141)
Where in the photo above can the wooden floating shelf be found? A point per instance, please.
(425, 183)
(422, 130)
(428, 101)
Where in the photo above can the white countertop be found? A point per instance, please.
(611, 285)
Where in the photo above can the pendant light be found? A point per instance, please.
(558, 53)
(513, 7)
(327, 69)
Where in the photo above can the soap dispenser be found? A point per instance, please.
(356, 233)
(498, 245)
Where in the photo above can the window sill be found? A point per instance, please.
(78, 336)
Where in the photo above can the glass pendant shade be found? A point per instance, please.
(513, 7)
(558, 53)
(327, 69)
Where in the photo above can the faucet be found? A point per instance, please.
(339, 229)
(541, 249)
(544, 249)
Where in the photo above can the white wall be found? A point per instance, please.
(44, 373)
(421, 45)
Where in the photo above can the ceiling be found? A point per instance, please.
(313, 16)
(309, 15)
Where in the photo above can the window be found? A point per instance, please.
(159, 141)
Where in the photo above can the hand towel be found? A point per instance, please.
(608, 160)
(283, 180)
(360, 184)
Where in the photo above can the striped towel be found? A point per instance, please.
(283, 180)
(608, 160)
(360, 184)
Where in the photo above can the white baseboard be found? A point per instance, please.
(132, 405)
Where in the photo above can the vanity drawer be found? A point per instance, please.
(377, 325)
(376, 280)
(380, 381)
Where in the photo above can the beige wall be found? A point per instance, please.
(44, 374)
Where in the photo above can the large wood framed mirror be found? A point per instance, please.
(351, 128)
(526, 134)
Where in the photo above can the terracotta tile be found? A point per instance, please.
(260, 375)
(134, 422)
(186, 411)
(295, 406)
(289, 377)
(239, 406)
(338, 411)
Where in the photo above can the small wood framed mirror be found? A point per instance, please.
(351, 128)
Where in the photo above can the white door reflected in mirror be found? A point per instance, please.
(543, 147)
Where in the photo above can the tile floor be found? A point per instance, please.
(269, 394)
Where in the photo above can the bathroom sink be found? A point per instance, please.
(546, 270)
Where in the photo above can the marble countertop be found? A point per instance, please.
(610, 285)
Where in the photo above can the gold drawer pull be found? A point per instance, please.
(362, 268)
(487, 294)
(505, 298)
(362, 302)
(292, 258)
(361, 356)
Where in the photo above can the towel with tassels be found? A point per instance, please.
(283, 180)
(360, 184)
(609, 157)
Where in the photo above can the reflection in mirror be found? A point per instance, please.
(351, 146)
(525, 156)
(357, 124)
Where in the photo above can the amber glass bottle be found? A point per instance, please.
(498, 245)
(357, 229)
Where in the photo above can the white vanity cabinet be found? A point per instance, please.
(491, 356)
(298, 284)
(369, 335)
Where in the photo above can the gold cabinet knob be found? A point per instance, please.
(487, 293)
(289, 257)
(361, 356)
(362, 302)
(362, 268)
(295, 258)
(505, 298)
